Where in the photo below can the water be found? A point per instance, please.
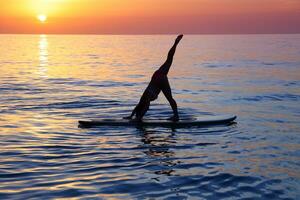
(49, 82)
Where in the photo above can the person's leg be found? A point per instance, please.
(166, 89)
(164, 69)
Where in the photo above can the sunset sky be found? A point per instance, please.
(150, 16)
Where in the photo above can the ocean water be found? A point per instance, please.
(49, 82)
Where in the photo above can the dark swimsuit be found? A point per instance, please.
(154, 87)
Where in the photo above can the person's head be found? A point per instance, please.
(142, 108)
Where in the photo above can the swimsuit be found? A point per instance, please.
(157, 76)
(154, 87)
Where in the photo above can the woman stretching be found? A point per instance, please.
(159, 82)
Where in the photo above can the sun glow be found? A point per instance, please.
(149, 16)
(42, 18)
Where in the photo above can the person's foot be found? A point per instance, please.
(174, 118)
(179, 37)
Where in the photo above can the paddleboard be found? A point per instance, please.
(199, 121)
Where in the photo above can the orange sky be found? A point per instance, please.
(150, 16)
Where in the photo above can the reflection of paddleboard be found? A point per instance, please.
(199, 121)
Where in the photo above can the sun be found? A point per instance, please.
(42, 18)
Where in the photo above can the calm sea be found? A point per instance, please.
(49, 82)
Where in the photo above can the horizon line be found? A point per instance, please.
(284, 33)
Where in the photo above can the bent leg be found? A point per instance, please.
(166, 89)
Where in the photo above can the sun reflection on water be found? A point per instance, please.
(43, 55)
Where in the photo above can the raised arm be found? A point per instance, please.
(166, 66)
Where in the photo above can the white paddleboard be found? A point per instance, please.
(199, 121)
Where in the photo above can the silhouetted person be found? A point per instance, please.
(159, 82)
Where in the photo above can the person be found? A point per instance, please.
(159, 82)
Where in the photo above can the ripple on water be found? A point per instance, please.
(270, 97)
(44, 155)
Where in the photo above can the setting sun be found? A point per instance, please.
(42, 18)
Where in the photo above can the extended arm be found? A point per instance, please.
(166, 66)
